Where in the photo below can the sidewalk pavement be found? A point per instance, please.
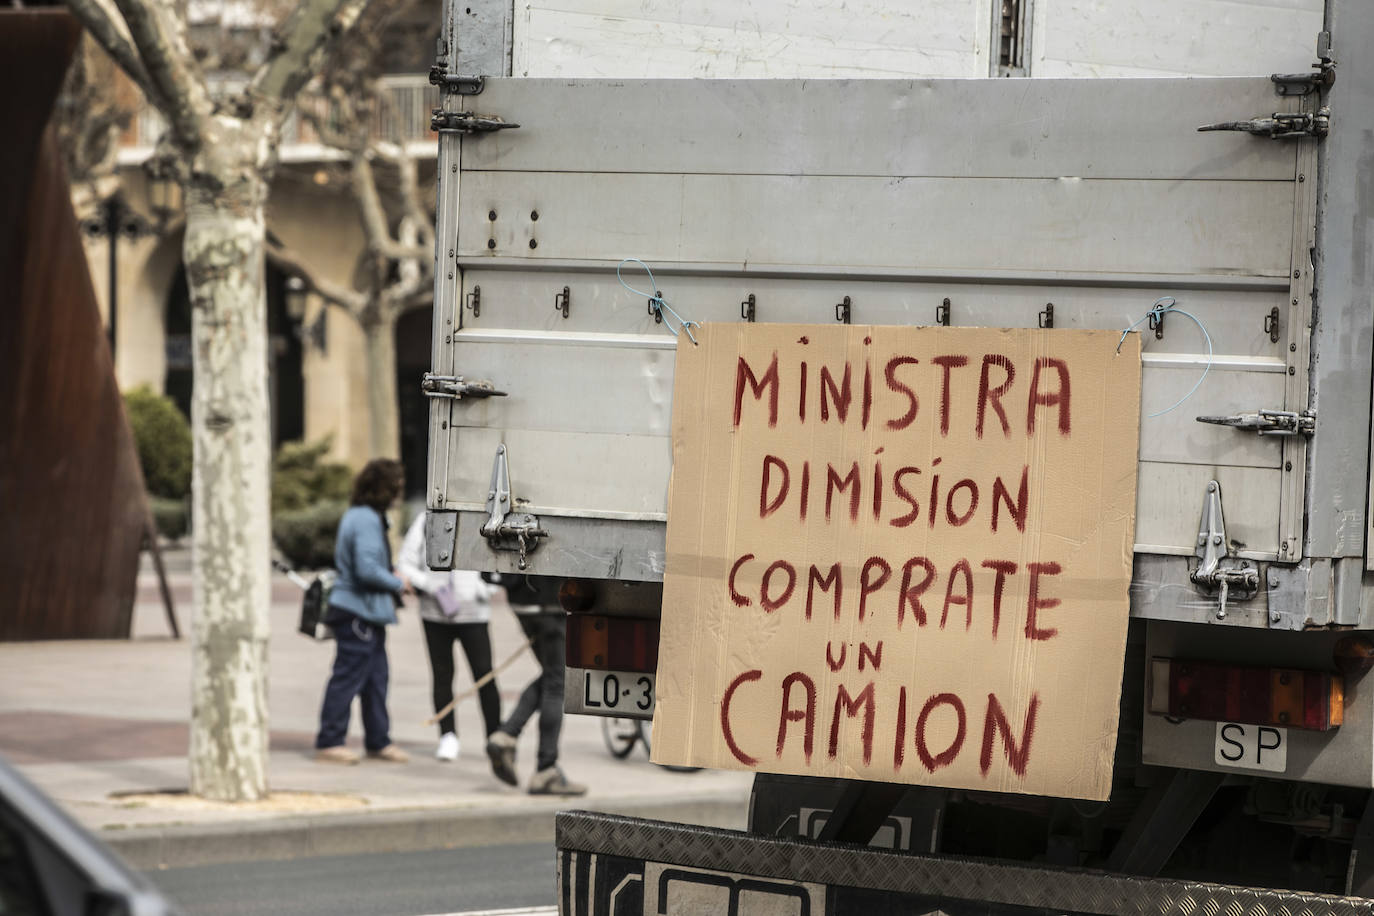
(102, 727)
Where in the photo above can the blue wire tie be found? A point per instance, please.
(657, 302)
(1157, 312)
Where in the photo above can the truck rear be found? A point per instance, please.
(1245, 745)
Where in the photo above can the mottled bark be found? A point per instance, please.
(230, 423)
(176, 80)
(111, 33)
(223, 156)
(307, 37)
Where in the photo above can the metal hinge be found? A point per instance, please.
(456, 387)
(466, 122)
(506, 529)
(1270, 422)
(1216, 572)
(1322, 76)
(1281, 125)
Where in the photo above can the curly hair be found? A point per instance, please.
(379, 483)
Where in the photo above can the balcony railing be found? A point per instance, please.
(401, 117)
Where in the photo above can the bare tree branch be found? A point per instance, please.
(404, 163)
(349, 142)
(375, 224)
(171, 69)
(412, 275)
(309, 35)
(351, 300)
(107, 27)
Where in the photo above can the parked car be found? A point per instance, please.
(52, 866)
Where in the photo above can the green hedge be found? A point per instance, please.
(301, 477)
(306, 536)
(163, 440)
(172, 516)
(309, 496)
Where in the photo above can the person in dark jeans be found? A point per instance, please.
(455, 606)
(476, 643)
(361, 604)
(546, 628)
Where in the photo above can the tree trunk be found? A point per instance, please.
(384, 435)
(223, 252)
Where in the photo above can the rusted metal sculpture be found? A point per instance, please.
(73, 512)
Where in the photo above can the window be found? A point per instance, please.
(19, 891)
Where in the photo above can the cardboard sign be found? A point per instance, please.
(900, 554)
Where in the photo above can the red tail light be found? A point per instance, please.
(577, 595)
(1285, 697)
(612, 643)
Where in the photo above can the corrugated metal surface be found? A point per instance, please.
(928, 884)
(72, 507)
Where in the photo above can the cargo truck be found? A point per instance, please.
(1245, 752)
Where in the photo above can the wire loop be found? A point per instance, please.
(1155, 315)
(656, 301)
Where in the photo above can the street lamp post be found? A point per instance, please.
(318, 330)
(115, 219)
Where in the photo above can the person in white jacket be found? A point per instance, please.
(454, 605)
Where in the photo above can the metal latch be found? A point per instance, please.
(1305, 83)
(466, 122)
(506, 529)
(1281, 125)
(461, 85)
(1216, 572)
(1322, 76)
(1270, 422)
(456, 387)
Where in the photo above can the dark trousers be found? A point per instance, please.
(476, 641)
(547, 633)
(360, 670)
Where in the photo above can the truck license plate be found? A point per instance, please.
(1251, 747)
(617, 693)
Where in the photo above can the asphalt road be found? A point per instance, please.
(395, 884)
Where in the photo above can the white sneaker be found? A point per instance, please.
(448, 747)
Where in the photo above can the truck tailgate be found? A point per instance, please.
(988, 203)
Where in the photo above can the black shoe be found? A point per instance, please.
(501, 750)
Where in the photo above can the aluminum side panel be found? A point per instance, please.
(1074, 224)
(1056, 193)
(881, 128)
(518, 296)
(1339, 457)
